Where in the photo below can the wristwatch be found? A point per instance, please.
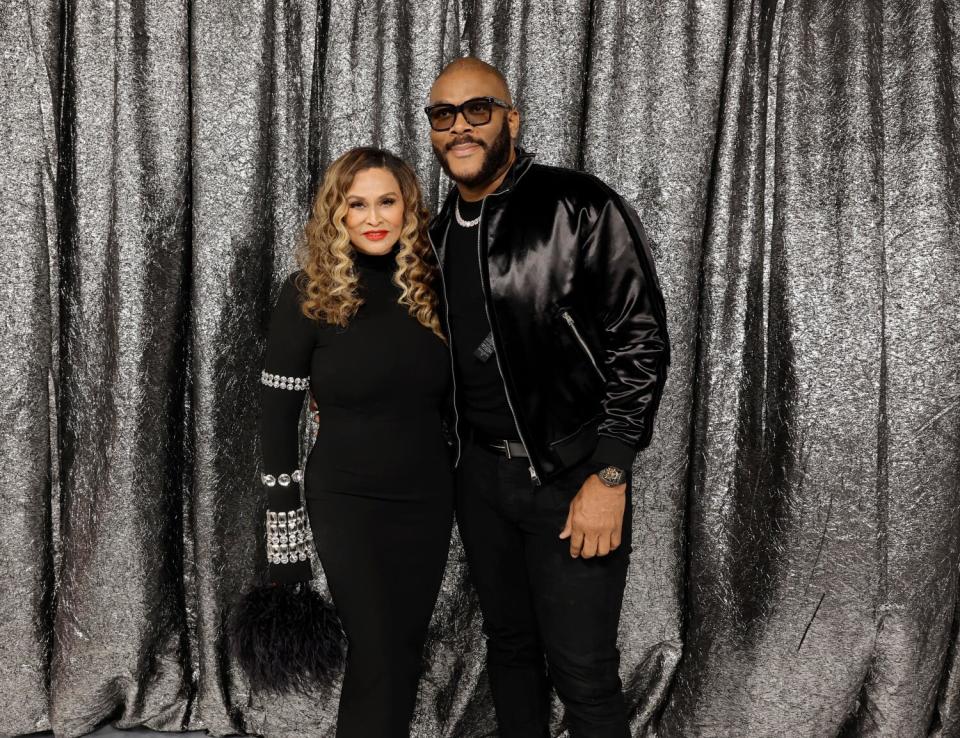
(612, 476)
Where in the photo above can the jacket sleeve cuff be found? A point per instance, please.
(613, 452)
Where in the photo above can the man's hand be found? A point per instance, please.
(595, 518)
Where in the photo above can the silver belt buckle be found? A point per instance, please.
(501, 445)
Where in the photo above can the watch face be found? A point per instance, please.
(611, 475)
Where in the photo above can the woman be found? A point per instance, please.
(358, 325)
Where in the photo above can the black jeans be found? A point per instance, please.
(539, 601)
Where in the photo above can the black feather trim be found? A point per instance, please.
(287, 637)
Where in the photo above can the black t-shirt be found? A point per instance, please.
(483, 402)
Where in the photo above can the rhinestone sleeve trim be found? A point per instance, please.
(288, 535)
(283, 480)
(283, 382)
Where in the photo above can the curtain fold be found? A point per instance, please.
(795, 163)
(251, 69)
(119, 620)
(29, 466)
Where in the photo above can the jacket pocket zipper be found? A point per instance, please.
(583, 344)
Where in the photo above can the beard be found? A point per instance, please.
(495, 156)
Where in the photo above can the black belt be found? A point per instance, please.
(508, 447)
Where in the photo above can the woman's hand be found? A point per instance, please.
(314, 412)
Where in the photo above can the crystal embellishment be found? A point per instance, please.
(288, 536)
(281, 381)
(283, 480)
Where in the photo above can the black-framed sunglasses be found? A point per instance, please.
(477, 111)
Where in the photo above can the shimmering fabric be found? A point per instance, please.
(797, 530)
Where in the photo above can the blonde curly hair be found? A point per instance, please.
(329, 280)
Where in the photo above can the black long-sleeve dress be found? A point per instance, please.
(377, 481)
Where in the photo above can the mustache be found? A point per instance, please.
(463, 140)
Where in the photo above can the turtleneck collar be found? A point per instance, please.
(377, 262)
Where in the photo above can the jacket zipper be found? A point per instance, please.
(453, 369)
(496, 352)
(583, 344)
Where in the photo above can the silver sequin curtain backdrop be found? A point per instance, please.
(796, 536)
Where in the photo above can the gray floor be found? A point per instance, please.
(108, 732)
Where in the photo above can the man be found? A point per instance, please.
(559, 344)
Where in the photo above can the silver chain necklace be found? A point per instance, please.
(460, 220)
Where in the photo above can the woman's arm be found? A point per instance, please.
(284, 379)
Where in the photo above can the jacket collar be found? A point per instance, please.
(519, 167)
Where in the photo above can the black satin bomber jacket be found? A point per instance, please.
(577, 315)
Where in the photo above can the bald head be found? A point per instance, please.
(469, 72)
(477, 146)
